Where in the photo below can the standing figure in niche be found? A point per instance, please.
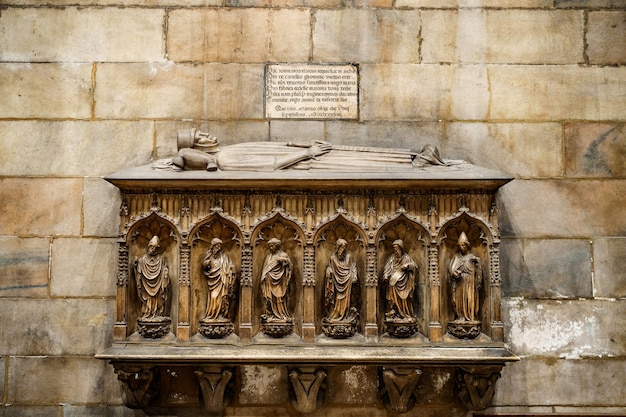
(275, 278)
(466, 277)
(399, 273)
(152, 276)
(341, 274)
(220, 274)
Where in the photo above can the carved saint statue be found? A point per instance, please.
(152, 276)
(275, 279)
(341, 274)
(201, 151)
(399, 273)
(465, 280)
(220, 274)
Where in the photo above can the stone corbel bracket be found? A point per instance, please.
(400, 385)
(139, 382)
(308, 386)
(476, 386)
(214, 383)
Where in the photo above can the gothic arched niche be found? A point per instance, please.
(414, 240)
(146, 232)
(465, 297)
(203, 239)
(339, 307)
(289, 249)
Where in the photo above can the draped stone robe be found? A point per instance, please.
(152, 276)
(220, 275)
(275, 279)
(400, 273)
(340, 275)
(465, 297)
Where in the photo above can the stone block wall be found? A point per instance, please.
(534, 88)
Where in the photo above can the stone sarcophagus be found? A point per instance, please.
(307, 257)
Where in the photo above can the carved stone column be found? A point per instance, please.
(139, 382)
(183, 330)
(435, 329)
(497, 327)
(308, 281)
(214, 382)
(307, 385)
(121, 324)
(399, 388)
(245, 300)
(476, 386)
(371, 294)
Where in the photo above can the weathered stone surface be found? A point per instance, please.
(101, 206)
(554, 382)
(78, 148)
(97, 411)
(473, 3)
(3, 361)
(392, 92)
(38, 207)
(559, 268)
(570, 329)
(436, 386)
(609, 265)
(588, 3)
(582, 208)
(31, 411)
(150, 3)
(521, 149)
(469, 93)
(81, 34)
(290, 35)
(554, 92)
(24, 267)
(356, 384)
(383, 36)
(55, 327)
(297, 131)
(91, 274)
(45, 90)
(215, 35)
(405, 135)
(73, 380)
(605, 31)
(263, 385)
(219, 91)
(502, 36)
(595, 150)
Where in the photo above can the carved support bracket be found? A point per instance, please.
(400, 384)
(139, 382)
(476, 386)
(308, 387)
(214, 383)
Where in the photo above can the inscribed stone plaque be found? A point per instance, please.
(311, 92)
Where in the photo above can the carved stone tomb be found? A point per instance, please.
(307, 257)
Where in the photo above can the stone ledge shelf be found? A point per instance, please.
(475, 368)
(367, 241)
